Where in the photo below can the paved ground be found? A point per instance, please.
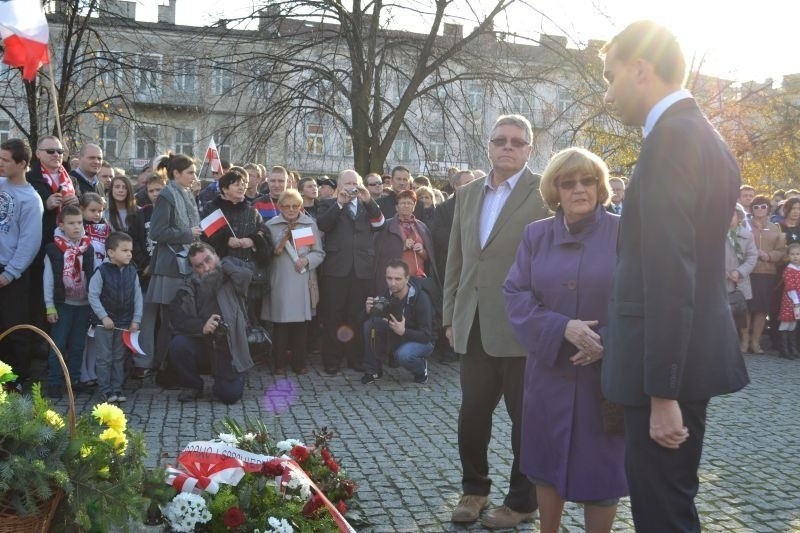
(398, 441)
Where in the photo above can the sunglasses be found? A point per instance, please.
(375, 184)
(52, 151)
(502, 141)
(761, 206)
(588, 181)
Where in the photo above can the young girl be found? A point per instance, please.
(790, 305)
(121, 203)
(98, 231)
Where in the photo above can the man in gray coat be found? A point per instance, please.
(208, 315)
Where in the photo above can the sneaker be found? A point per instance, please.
(368, 378)
(55, 392)
(421, 379)
(121, 397)
(108, 398)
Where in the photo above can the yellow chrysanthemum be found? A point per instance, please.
(5, 369)
(54, 419)
(115, 437)
(110, 415)
(86, 451)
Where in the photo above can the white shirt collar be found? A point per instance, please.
(512, 181)
(658, 109)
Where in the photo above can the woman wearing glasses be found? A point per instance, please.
(290, 305)
(764, 279)
(556, 297)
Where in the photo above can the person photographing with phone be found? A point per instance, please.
(400, 321)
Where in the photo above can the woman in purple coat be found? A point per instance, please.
(556, 297)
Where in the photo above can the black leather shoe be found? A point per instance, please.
(331, 370)
(189, 395)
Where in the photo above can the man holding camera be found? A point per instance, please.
(402, 323)
(208, 317)
(348, 272)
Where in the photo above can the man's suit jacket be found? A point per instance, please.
(82, 185)
(440, 231)
(348, 241)
(671, 334)
(474, 277)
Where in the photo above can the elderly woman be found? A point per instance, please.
(242, 237)
(771, 245)
(741, 256)
(404, 237)
(557, 296)
(298, 252)
(174, 225)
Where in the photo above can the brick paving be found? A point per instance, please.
(398, 441)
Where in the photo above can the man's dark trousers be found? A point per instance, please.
(342, 302)
(190, 355)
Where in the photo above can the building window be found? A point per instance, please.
(517, 104)
(108, 141)
(148, 73)
(221, 80)
(184, 141)
(348, 146)
(565, 103)
(315, 141)
(475, 96)
(109, 70)
(146, 137)
(185, 74)
(436, 151)
(5, 130)
(401, 149)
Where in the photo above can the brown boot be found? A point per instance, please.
(469, 508)
(504, 517)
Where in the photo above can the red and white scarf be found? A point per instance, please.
(73, 265)
(62, 181)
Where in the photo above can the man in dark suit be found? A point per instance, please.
(671, 343)
(488, 222)
(349, 269)
(84, 178)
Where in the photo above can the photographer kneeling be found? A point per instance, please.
(401, 323)
(208, 317)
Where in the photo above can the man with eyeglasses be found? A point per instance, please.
(488, 222)
(374, 184)
(90, 159)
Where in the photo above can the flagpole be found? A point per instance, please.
(55, 99)
(229, 226)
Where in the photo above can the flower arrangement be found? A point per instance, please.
(96, 461)
(242, 481)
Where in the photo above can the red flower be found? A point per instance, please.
(312, 506)
(326, 455)
(332, 466)
(233, 518)
(300, 453)
(341, 507)
(273, 468)
(349, 488)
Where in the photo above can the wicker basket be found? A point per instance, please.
(10, 522)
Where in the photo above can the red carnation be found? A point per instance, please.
(233, 518)
(300, 453)
(312, 506)
(326, 455)
(332, 466)
(341, 507)
(273, 468)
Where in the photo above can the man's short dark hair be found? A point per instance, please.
(115, 238)
(398, 263)
(71, 211)
(198, 247)
(19, 148)
(400, 167)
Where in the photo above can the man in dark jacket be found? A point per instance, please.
(349, 268)
(209, 318)
(402, 322)
(84, 178)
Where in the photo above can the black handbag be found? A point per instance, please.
(738, 303)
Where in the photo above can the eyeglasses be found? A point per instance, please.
(761, 206)
(375, 184)
(52, 151)
(515, 142)
(293, 206)
(586, 181)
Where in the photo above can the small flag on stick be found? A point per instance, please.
(212, 156)
(213, 223)
(303, 237)
(131, 340)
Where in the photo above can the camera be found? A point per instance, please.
(382, 307)
(222, 328)
(352, 192)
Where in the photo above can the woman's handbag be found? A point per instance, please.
(182, 258)
(738, 303)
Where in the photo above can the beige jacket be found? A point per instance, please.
(771, 240)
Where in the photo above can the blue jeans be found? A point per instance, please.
(409, 355)
(189, 355)
(69, 334)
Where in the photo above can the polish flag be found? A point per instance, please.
(212, 156)
(213, 223)
(303, 237)
(131, 340)
(23, 28)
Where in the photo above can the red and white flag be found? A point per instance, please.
(213, 223)
(23, 28)
(131, 340)
(303, 237)
(212, 156)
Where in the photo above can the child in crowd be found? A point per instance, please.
(139, 229)
(92, 205)
(68, 267)
(121, 203)
(116, 299)
(790, 305)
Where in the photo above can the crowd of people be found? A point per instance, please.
(513, 271)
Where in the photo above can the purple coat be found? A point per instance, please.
(559, 276)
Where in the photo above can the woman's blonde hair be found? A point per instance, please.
(572, 161)
(426, 190)
(294, 194)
